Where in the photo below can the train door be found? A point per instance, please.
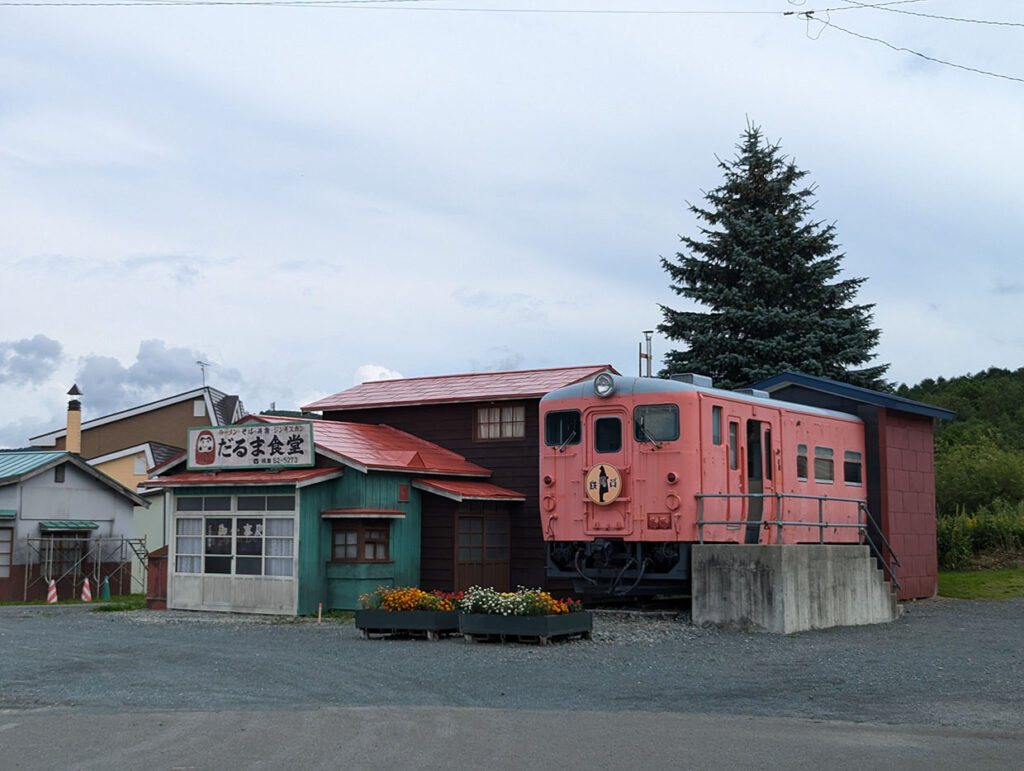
(734, 473)
(760, 476)
(606, 448)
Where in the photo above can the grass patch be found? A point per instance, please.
(982, 584)
(122, 602)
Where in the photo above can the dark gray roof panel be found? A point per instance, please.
(854, 393)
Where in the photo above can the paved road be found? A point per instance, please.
(941, 688)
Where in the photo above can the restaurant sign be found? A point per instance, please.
(251, 445)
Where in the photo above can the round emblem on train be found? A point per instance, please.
(603, 484)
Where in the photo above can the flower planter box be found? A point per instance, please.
(431, 623)
(540, 629)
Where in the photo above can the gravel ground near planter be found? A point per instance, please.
(945, 663)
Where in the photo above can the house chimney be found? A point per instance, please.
(73, 440)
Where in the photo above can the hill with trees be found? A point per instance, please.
(979, 462)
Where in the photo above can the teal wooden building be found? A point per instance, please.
(288, 540)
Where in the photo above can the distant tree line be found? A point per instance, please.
(979, 462)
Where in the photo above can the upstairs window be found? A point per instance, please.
(656, 423)
(500, 422)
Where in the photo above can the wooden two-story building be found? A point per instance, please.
(492, 419)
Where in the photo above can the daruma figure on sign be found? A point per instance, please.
(206, 449)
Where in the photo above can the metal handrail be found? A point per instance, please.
(821, 524)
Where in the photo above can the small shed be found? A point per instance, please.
(288, 539)
(899, 467)
(61, 520)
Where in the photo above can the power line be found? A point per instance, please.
(810, 16)
(374, 5)
(882, 7)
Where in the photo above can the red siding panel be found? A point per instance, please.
(909, 524)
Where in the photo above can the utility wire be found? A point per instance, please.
(810, 16)
(375, 5)
(882, 7)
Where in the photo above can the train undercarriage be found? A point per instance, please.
(615, 567)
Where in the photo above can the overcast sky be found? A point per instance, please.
(306, 197)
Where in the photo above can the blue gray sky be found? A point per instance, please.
(306, 196)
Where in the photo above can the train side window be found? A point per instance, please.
(852, 473)
(656, 423)
(767, 453)
(734, 451)
(716, 425)
(562, 428)
(824, 466)
(607, 435)
(801, 462)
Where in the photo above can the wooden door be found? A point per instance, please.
(482, 540)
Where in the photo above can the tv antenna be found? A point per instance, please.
(202, 366)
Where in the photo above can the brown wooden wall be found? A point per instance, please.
(514, 465)
(13, 589)
(167, 425)
(437, 543)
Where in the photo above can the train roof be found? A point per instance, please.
(634, 386)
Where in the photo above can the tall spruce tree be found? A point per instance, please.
(766, 272)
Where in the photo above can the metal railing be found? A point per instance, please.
(864, 521)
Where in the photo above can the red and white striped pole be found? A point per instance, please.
(51, 593)
(86, 591)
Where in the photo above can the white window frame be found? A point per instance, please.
(497, 422)
(280, 565)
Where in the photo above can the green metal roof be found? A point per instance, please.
(16, 464)
(68, 524)
(8, 513)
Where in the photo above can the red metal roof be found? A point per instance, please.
(479, 386)
(467, 489)
(382, 448)
(242, 477)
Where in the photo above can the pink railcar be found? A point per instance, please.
(635, 470)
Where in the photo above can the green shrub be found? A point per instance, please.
(998, 526)
(953, 539)
(970, 476)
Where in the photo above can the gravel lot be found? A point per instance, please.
(946, 663)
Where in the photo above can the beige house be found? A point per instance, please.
(125, 445)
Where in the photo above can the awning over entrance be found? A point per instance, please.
(68, 524)
(362, 514)
(8, 513)
(298, 477)
(467, 490)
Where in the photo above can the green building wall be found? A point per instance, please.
(339, 585)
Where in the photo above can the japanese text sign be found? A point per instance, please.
(252, 445)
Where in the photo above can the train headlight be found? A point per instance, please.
(604, 385)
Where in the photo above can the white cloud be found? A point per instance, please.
(293, 193)
(367, 373)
